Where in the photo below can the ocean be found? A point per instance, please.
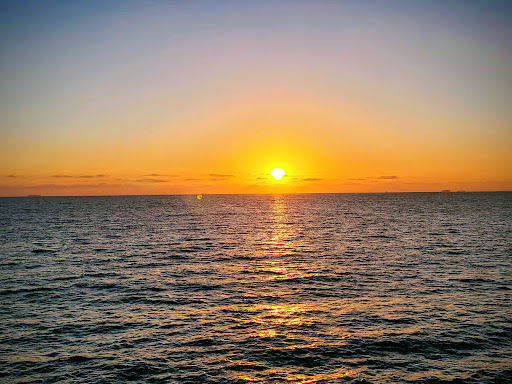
(314, 288)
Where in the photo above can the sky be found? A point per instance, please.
(187, 97)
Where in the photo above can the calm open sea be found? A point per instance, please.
(379, 288)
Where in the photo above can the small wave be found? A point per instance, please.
(139, 370)
(478, 377)
(40, 250)
(78, 358)
(96, 285)
(423, 345)
(192, 287)
(66, 278)
(191, 249)
(473, 280)
(102, 274)
(246, 366)
(155, 289)
(455, 252)
(146, 300)
(25, 290)
(145, 265)
(201, 342)
(382, 237)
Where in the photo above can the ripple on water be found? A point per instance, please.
(396, 288)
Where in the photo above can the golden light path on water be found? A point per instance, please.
(279, 242)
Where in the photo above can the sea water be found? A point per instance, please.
(368, 288)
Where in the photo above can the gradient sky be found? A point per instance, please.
(154, 97)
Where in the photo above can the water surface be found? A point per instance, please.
(379, 288)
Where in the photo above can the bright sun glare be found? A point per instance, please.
(277, 173)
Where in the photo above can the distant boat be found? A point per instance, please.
(445, 191)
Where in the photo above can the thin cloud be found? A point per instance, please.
(78, 177)
(91, 176)
(312, 179)
(157, 175)
(11, 176)
(64, 186)
(149, 180)
(370, 178)
(220, 175)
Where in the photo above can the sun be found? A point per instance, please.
(277, 173)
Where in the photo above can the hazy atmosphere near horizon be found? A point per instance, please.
(171, 97)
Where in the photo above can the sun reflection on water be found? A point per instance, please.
(279, 241)
(299, 378)
(279, 230)
(283, 323)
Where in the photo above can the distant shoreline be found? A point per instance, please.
(264, 194)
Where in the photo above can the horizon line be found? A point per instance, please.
(259, 194)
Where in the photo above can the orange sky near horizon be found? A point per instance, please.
(177, 99)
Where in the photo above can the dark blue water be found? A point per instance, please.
(379, 288)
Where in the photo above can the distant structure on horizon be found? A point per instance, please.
(445, 191)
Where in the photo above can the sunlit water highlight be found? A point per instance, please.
(382, 288)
